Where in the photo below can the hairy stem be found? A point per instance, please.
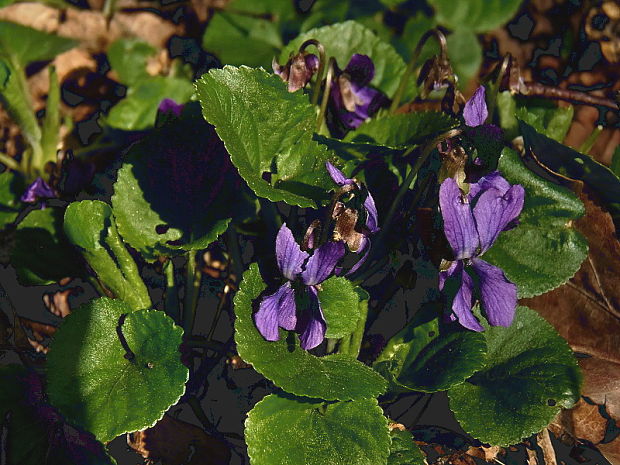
(172, 296)
(192, 288)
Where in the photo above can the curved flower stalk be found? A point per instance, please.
(472, 223)
(353, 101)
(295, 306)
(347, 227)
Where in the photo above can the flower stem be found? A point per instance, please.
(358, 334)
(402, 191)
(326, 92)
(192, 287)
(591, 140)
(135, 292)
(345, 344)
(172, 296)
(10, 162)
(492, 101)
(411, 66)
(194, 404)
(316, 90)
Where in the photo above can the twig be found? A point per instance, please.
(544, 442)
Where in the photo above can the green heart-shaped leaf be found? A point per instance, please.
(402, 130)
(177, 189)
(530, 374)
(568, 162)
(128, 58)
(42, 255)
(333, 377)
(138, 109)
(16, 99)
(268, 133)
(249, 32)
(288, 430)
(427, 357)
(22, 45)
(544, 250)
(475, 15)
(90, 226)
(339, 302)
(95, 383)
(403, 451)
(11, 188)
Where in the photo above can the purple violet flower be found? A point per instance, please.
(280, 308)
(170, 107)
(39, 189)
(372, 218)
(353, 101)
(475, 111)
(471, 232)
(298, 70)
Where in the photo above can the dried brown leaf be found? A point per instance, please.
(175, 442)
(488, 454)
(586, 312)
(58, 302)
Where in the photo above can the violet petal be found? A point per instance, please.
(337, 176)
(353, 103)
(372, 220)
(266, 318)
(365, 248)
(462, 303)
(168, 105)
(459, 225)
(491, 180)
(360, 69)
(39, 189)
(475, 111)
(322, 263)
(497, 294)
(278, 69)
(314, 326)
(444, 275)
(494, 211)
(289, 255)
(287, 315)
(312, 62)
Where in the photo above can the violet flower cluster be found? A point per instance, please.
(295, 306)
(472, 223)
